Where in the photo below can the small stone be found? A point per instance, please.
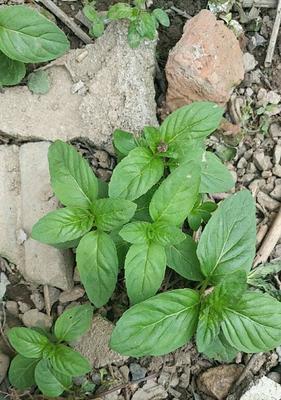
(248, 154)
(23, 307)
(77, 86)
(36, 319)
(277, 154)
(274, 376)
(102, 158)
(261, 161)
(96, 378)
(125, 372)
(54, 295)
(185, 380)
(257, 185)
(242, 163)
(251, 168)
(104, 174)
(71, 295)
(273, 97)
(217, 381)
(151, 390)
(247, 178)
(38, 300)
(249, 92)
(275, 130)
(4, 365)
(12, 307)
(76, 275)
(266, 174)
(137, 371)
(265, 388)
(249, 62)
(277, 170)
(267, 202)
(276, 192)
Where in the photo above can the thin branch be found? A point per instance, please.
(273, 38)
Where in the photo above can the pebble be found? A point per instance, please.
(71, 295)
(267, 202)
(265, 388)
(54, 295)
(38, 300)
(277, 170)
(137, 371)
(261, 161)
(274, 376)
(102, 158)
(12, 307)
(23, 307)
(104, 174)
(125, 372)
(247, 178)
(4, 365)
(276, 192)
(275, 130)
(151, 390)
(249, 62)
(36, 319)
(242, 163)
(277, 154)
(251, 168)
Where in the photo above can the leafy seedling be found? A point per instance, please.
(223, 313)
(26, 36)
(46, 362)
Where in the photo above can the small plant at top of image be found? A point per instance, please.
(44, 360)
(143, 24)
(26, 37)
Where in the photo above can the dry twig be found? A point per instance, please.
(47, 300)
(273, 38)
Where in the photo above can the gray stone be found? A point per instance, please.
(36, 319)
(151, 390)
(12, 307)
(94, 344)
(264, 389)
(249, 62)
(275, 130)
(23, 307)
(267, 202)
(38, 300)
(277, 170)
(261, 161)
(274, 376)
(120, 84)
(72, 294)
(137, 371)
(4, 365)
(277, 154)
(242, 163)
(276, 192)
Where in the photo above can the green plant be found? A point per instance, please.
(43, 360)
(143, 24)
(26, 36)
(160, 207)
(225, 316)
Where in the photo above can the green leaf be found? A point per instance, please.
(182, 258)
(120, 11)
(201, 212)
(134, 38)
(74, 322)
(21, 372)
(136, 232)
(135, 174)
(72, 179)
(208, 326)
(39, 82)
(161, 16)
(90, 12)
(51, 383)
(263, 271)
(97, 29)
(146, 26)
(110, 214)
(158, 325)
(29, 37)
(194, 121)
(124, 141)
(97, 263)
(69, 362)
(145, 266)
(142, 213)
(215, 177)
(176, 195)
(252, 325)
(221, 350)
(152, 137)
(63, 225)
(229, 239)
(11, 71)
(166, 234)
(27, 342)
(122, 247)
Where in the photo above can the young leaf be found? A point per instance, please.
(21, 372)
(97, 264)
(161, 16)
(220, 350)
(51, 383)
(135, 174)
(11, 71)
(166, 234)
(134, 38)
(72, 179)
(39, 82)
(145, 266)
(27, 342)
(122, 247)
(142, 213)
(29, 37)
(68, 362)
(97, 27)
(152, 137)
(120, 11)
(197, 120)
(208, 326)
(73, 323)
(124, 141)
(252, 325)
(63, 225)
(201, 212)
(215, 177)
(157, 325)
(229, 239)
(136, 232)
(110, 214)
(182, 258)
(146, 26)
(176, 195)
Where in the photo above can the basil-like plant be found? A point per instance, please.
(26, 36)
(43, 360)
(225, 316)
(143, 24)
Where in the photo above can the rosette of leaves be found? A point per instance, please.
(26, 36)
(85, 222)
(224, 314)
(143, 24)
(43, 360)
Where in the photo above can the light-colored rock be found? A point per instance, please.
(276, 192)
(94, 344)
(277, 170)
(277, 154)
(217, 381)
(275, 130)
(249, 61)
(26, 197)
(4, 365)
(264, 389)
(38, 300)
(150, 391)
(120, 93)
(12, 307)
(267, 202)
(261, 161)
(206, 64)
(72, 294)
(36, 319)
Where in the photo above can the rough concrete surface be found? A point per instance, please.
(264, 389)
